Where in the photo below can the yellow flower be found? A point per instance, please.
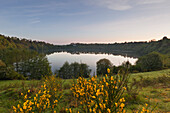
(108, 110)
(38, 105)
(124, 88)
(93, 97)
(24, 107)
(116, 104)
(21, 109)
(28, 91)
(122, 105)
(22, 94)
(94, 110)
(14, 108)
(112, 78)
(107, 84)
(98, 92)
(90, 110)
(18, 106)
(70, 110)
(146, 105)
(108, 70)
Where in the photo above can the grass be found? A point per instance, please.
(152, 94)
(153, 74)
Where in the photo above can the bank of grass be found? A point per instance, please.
(152, 94)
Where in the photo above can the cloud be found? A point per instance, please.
(113, 4)
(34, 20)
(144, 2)
(75, 13)
(122, 5)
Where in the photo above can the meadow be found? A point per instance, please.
(152, 88)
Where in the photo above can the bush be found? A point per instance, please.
(150, 62)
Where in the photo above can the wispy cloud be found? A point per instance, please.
(143, 2)
(123, 4)
(112, 4)
(34, 20)
(75, 13)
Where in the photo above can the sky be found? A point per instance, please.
(85, 21)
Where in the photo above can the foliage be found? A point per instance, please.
(46, 99)
(73, 70)
(11, 90)
(145, 82)
(150, 62)
(126, 48)
(35, 68)
(130, 48)
(14, 42)
(8, 73)
(23, 62)
(102, 66)
(100, 96)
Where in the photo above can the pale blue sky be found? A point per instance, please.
(102, 21)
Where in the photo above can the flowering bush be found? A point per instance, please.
(93, 95)
(46, 99)
(101, 96)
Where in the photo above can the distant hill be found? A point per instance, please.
(7, 42)
(139, 48)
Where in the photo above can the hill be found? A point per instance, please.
(134, 48)
(7, 42)
(126, 48)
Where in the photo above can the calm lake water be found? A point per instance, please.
(59, 58)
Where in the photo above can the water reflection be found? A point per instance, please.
(57, 59)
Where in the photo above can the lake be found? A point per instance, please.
(57, 59)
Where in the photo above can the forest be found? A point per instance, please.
(130, 48)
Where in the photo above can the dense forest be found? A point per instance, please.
(7, 42)
(126, 48)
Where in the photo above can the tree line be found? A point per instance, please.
(127, 48)
(150, 62)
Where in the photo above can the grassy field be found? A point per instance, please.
(149, 87)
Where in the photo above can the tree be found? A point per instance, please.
(73, 70)
(102, 66)
(35, 68)
(151, 61)
(84, 70)
(65, 71)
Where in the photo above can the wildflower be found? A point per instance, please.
(116, 104)
(146, 105)
(93, 97)
(108, 70)
(122, 105)
(70, 110)
(108, 110)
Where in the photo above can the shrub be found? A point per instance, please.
(150, 62)
(101, 96)
(46, 99)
